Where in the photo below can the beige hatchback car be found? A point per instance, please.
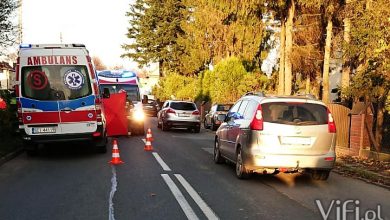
(272, 134)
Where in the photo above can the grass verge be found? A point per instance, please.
(362, 172)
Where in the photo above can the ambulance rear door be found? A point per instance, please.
(78, 97)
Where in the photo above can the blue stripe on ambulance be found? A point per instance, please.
(77, 103)
(49, 106)
(53, 106)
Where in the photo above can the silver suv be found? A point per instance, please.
(180, 114)
(277, 134)
(211, 118)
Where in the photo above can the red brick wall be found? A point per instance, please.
(359, 137)
(356, 132)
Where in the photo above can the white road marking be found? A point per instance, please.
(113, 190)
(210, 150)
(161, 162)
(144, 140)
(179, 197)
(195, 196)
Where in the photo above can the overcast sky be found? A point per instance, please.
(99, 24)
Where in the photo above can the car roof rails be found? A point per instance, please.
(260, 94)
(307, 95)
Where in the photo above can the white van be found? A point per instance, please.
(58, 96)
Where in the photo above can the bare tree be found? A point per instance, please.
(7, 28)
(98, 63)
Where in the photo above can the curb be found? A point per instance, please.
(11, 156)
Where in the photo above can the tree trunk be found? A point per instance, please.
(289, 41)
(346, 68)
(308, 85)
(325, 74)
(161, 67)
(379, 126)
(379, 121)
(282, 60)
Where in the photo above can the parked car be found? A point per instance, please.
(211, 118)
(151, 107)
(179, 114)
(277, 134)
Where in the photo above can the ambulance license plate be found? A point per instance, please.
(44, 130)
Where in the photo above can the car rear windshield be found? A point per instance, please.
(132, 91)
(295, 113)
(55, 82)
(186, 106)
(223, 107)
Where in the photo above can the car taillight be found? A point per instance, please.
(98, 107)
(257, 121)
(170, 111)
(196, 112)
(96, 134)
(331, 123)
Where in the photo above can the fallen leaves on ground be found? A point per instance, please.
(367, 169)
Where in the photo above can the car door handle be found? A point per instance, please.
(67, 109)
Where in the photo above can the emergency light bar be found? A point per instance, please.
(51, 46)
(117, 74)
(25, 46)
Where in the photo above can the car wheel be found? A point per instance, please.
(164, 127)
(205, 124)
(217, 154)
(325, 175)
(213, 126)
(101, 146)
(241, 171)
(320, 174)
(141, 130)
(196, 129)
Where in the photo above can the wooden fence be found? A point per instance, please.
(341, 117)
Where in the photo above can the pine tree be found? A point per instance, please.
(154, 29)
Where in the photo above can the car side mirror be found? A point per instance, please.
(106, 93)
(221, 117)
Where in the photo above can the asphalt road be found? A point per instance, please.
(177, 180)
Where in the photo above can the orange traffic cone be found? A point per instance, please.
(149, 135)
(148, 145)
(115, 154)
